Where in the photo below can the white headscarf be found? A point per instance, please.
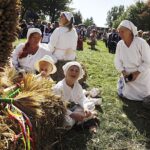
(73, 63)
(128, 24)
(68, 15)
(33, 30)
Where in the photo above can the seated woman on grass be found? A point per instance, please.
(26, 54)
(79, 108)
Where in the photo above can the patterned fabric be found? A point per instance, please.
(120, 86)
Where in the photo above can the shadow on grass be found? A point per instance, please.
(140, 117)
(73, 140)
(78, 137)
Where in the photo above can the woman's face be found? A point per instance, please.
(35, 39)
(63, 20)
(73, 73)
(124, 33)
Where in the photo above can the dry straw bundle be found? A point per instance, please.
(36, 99)
(8, 132)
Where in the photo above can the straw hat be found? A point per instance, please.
(48, 59)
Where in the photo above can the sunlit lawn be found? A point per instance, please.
(122, 126)
(116, 131)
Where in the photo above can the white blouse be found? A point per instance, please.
(63, 43)
(27, 63)
(69, 94)
(133, 58)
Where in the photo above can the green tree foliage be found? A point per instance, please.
(134, 12)
(29, 9)
(50, 8)
(77, 18)
(145, 18)
(113, 14)
(53, 8)
(139, 14)
(116, 23)
(89, 21)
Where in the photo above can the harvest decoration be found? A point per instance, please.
(33, 100)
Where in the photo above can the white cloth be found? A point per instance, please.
(69, 94)
(128, 24)
(75, 95)
(68, 15)
(73, 63)
(27, 63)
(131, 59)
(33, 30)
(63, 43)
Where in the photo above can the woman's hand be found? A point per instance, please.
(87, 113)
(77, 116)
(135, 75)
(125, 73)
(43, 73)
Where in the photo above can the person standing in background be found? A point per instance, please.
(63, 43)
(113, 39)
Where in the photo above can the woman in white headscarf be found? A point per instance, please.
(79, 107)
(63, 43)
(26, 54)
(132, 59)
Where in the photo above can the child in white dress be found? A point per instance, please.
(80, 109)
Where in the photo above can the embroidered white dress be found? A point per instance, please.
(136, 57)
(63, 43)
(75, 95)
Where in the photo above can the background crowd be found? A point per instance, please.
(91, 34)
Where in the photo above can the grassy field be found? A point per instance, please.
(124, 125)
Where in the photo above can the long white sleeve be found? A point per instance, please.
(145, 56)
(53, 40)
(15, 55)
(75, 39)
(118, 61)
(58, 90)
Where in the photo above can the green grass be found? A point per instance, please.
(118, 121)
(19, 41)
(123, 125)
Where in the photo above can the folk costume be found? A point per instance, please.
(136, 57)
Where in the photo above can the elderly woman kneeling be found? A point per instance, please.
(132, 59)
